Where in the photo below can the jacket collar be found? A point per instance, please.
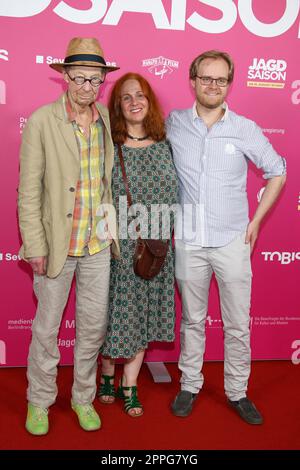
(59, 111)
(66, 127)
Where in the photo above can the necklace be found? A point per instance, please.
(137, 139)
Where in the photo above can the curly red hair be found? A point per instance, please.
(154, 121)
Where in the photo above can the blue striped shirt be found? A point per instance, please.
(212, 169)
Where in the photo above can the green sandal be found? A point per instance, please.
(120, 392)
(106, 389)
(132, 401)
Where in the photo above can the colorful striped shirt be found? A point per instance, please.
(89, 225)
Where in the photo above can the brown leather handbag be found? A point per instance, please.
(149, 255)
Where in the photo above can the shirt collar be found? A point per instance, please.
(71, 115)
(224, 106)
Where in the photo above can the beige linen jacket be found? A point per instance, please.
(49, 171)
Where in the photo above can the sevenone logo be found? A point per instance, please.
(2, 92)
(178, 18)
(9, 257)
(2, 352)
(285, 257)
(3, 54)
(267, 73)
(296, 354)
(160, 66)
(40, 59)
(296, 93)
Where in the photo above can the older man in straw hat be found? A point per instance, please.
(65, 176)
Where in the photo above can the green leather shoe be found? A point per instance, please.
(88, 418)
(37, 420)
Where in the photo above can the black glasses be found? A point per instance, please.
(94, 81)
(221, 81)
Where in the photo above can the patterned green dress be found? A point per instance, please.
(142, 310)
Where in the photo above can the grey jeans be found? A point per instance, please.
(232, 268)
(92, 288)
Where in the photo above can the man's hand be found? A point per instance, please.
(38, 264)
(252, 233)
(270, 194)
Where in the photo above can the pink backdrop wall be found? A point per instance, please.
(159, 39)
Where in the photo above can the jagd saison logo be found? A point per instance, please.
(267, 73)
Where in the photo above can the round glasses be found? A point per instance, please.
(79, 80)
(221, 81)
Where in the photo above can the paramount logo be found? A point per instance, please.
(160, 66)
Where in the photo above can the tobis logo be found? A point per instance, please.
(285, 257)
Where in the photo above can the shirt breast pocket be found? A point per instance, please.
(230, 160)
(230, 149)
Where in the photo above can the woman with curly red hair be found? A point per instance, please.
(140, 311)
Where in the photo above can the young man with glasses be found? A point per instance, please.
(211, 147)
(65, 175)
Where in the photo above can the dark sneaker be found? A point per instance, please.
(183, 403)
(247, 410)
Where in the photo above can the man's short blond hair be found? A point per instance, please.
(213, 54)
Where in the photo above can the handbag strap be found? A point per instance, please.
(129, 199)
(121, 158)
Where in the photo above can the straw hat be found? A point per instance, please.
(84, 51)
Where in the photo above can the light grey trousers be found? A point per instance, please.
(92, 288)
(232, 268)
